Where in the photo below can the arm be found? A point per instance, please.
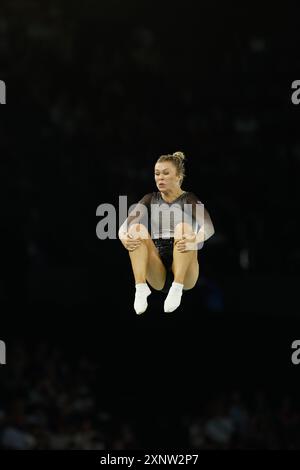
(206, 228)
(202, 218)
(139, 214)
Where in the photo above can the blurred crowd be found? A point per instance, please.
(50, 399)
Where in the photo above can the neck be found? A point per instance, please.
(172, 194)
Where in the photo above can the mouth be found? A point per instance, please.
(161, 184)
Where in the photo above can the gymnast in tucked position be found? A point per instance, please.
(163, 235)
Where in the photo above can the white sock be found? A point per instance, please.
(174, 297)
(141, 293)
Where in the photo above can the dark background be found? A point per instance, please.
(96, 92)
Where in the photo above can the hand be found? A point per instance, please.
(130, 242)
(186, 243)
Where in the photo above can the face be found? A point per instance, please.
(166, 178)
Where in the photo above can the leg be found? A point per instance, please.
(139, 257)
(185, 268)
(185, 265)
(191, 275)
(156, 271)
(145, 261)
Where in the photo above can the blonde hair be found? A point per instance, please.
(177, 158)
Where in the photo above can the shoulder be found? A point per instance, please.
(192, 198)
(146, 199)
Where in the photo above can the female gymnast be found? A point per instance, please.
(168, 258)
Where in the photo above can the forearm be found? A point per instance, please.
(206, 231)
(122, 240)
(122, 233)
(203, 220)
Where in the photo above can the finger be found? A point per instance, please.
(181, 248)
(180, 245)
(132, 248)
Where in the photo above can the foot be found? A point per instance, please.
(140, 302)
(174, 297)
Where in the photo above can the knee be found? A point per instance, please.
(139, 231)
(189, 286)
(157, 285)
(183, 228)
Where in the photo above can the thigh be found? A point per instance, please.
(156, 271)
(192, 274)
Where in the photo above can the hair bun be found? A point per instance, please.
(179, 155)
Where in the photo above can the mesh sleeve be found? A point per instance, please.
(139, 213)
(201, 217)
(197, 210)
